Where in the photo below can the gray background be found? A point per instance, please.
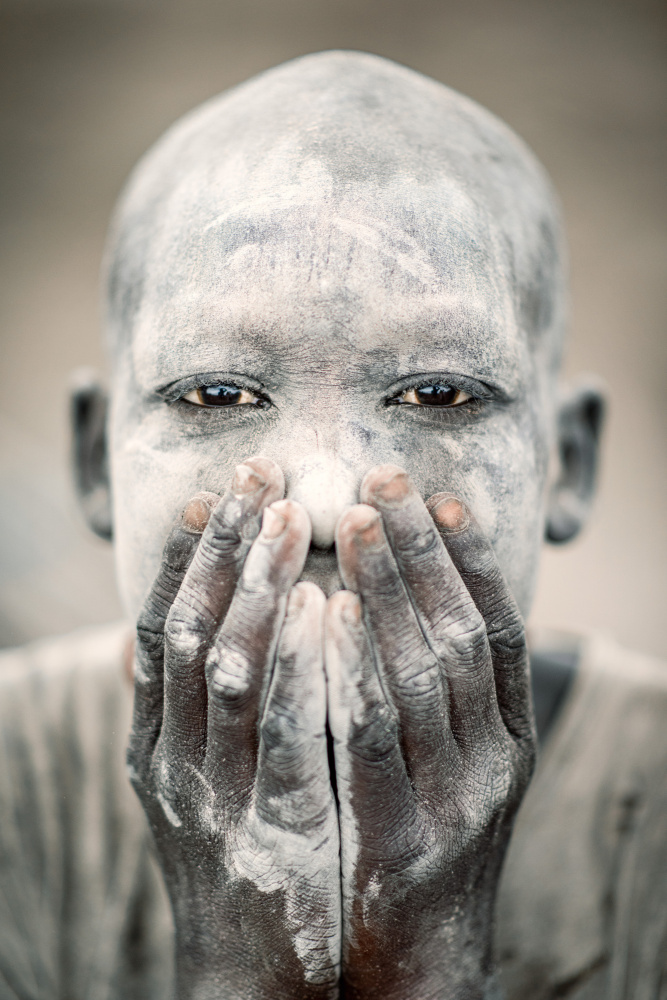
(87, 86)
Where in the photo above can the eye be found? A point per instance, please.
(222, 395)
(436, 394)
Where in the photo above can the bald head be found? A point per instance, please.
(329, 173)
(336, 264)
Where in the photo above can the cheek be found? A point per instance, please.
(154, 475)
(499, 471)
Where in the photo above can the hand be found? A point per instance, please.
(228, 750)
(430, 711)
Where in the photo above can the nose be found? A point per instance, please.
(325, 488)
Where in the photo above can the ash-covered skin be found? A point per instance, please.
(330, 233)
(328, 238)
(228, 749)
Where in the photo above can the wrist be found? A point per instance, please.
(451, 959)
(230, 960)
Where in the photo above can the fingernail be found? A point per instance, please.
(196, 515)
(451, 515)
(246, 480)
(393, 490)
(273, 524)
(370, 534)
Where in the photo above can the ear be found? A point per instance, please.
(580, 419)
(88, 414)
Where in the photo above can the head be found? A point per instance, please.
(337, 264)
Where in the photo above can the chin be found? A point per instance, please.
(322, 569)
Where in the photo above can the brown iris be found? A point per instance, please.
(435, 394)
(221, 395)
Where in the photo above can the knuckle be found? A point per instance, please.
(508, 635)
(467, 637)
(375, 738)
(419, 677)
(229, 678)
(150, 633)
(417, 540)
(279, 729)
(183, 639)
(223, 542)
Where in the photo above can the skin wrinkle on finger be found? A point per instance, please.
(477, 564)
(294, 717)
(196, 612)
(343, 675)
(249, 635)
(456, 633)
(410, 670)
(149, 650)
(351, 702)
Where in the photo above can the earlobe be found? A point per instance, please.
(88, 414)
(580, 419)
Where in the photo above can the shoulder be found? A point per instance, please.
(583, 890)
(75, 872)
(613, 729)
(63, 693)
(65, 709)
(88, 650)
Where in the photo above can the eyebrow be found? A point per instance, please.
(456, 337)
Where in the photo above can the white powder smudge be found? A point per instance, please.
(169, 812)
(300, 867)
(371, 893)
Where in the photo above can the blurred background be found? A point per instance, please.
(87, 85)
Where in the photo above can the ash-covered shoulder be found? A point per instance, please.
(90, 650)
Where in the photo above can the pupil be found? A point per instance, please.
(219, 395)
(436, 395)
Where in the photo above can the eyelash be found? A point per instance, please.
(254, 398)
(399, 399)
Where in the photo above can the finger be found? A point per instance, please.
(408, 667)
(440, 596)
(149, 647)
(293, 785)
(476, 562)
(204, 598)
(453, 625)
(238, 667)
(374, 791)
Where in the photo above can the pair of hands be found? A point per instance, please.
(282, 884)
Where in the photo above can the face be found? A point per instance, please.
(330, 334)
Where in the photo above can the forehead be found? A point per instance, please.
(339, 199)
(395, 267)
